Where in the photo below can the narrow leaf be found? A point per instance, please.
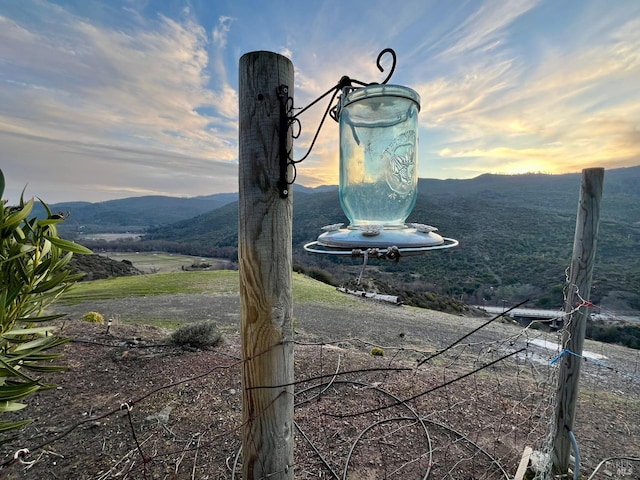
(49, 221)
(35, 357)
(24, 354)
(18, 216)
(43, 318)
(14, 372)
(11, 406)
(45, 368)
(31, 331)
(42, 342)
(68, 245)
(51, 283)
(15, 392)
(5, 426)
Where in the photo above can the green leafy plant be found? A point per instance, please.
(93, 317)
(377, 352)
(33, 274)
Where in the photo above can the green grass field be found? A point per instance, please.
(217, 282)
(159, 262)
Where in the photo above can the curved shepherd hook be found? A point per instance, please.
(393, 65)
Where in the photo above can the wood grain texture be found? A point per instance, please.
(579, 290)
(264, 255)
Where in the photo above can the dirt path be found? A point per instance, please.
(375, 322)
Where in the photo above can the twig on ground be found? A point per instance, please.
(195, 457)
(426, 392)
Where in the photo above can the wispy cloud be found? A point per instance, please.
(84, 86)
(221, 30)
(484, 30)
(577, 106)
(469, 53)
(226, 97)
(144, 93)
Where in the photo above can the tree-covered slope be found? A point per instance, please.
(515, 232)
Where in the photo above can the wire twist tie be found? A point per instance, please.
(20, 454)
(557, 358)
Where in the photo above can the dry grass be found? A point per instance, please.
(185, 408)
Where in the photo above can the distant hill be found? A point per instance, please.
(548, 192)
(134, 214)
(97, 267)
(515, 233)
(137, 214)
(557, 193)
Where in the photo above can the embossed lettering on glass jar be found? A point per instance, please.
(378, 154)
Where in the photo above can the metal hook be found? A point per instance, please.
(393, 65)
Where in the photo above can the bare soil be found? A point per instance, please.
(132, 406)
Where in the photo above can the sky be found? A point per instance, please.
(119, 98)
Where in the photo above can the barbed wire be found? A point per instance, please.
(473, 405)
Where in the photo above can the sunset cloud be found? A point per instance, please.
(130, 98)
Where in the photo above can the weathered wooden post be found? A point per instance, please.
(579, 289)
(264, 254)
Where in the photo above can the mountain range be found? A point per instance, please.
(515, 233)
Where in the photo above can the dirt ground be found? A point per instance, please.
(132, 406)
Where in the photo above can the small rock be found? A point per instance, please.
(162, 417)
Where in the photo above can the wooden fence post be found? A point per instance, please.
(264, 255)
(579, 290)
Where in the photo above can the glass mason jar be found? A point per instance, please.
(378, 154)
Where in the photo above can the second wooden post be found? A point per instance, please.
(577, 313)
(264, 255)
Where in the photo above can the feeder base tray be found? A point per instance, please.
(412, 239)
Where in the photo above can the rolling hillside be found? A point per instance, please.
(134, 214)
(515, 233)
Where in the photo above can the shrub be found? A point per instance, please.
(322, 276)
(377, 352)
(34, 273)
(93, 317)
(197, 335)
(202, 265)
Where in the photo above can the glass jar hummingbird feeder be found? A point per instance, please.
(378, 125)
